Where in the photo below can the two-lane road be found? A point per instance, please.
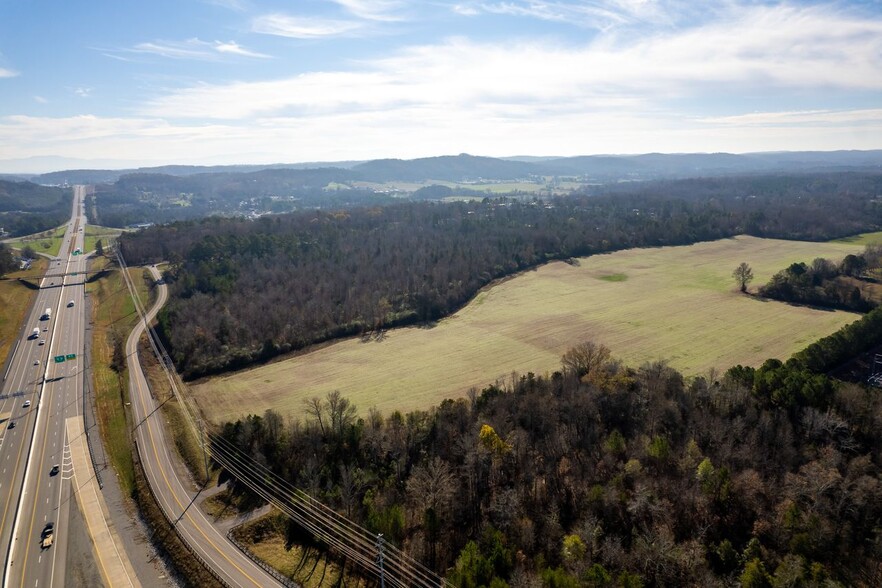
(174, 495)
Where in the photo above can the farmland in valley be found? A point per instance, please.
(680, 304)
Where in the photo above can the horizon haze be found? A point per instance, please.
(254, 82)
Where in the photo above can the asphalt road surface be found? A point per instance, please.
(46, 374)
(175, 495)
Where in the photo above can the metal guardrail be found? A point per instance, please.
(89, 408)
(284, 580)
(177, 531)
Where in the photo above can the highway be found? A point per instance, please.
(33, 439)
(41, 389)
(173, 494)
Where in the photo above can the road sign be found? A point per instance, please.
(59, 358)
(70, 356)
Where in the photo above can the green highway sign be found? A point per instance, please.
(59, 358)
(70, 356)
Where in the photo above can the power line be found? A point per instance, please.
(371, 552)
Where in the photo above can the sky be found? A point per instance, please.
(122, 83)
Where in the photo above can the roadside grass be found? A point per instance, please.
(177, 425)
(308, 566)
(679, 304)
(15, 300)
(47, 242)
(613, 278)
(113, 316)
(93, 233)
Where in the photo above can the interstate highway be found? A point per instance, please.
(29, 496)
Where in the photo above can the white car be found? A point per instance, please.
(26, 404)
(42, 342)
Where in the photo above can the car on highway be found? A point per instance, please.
(26, 404)
(11, 425)
(70, 303)
(47, 535)
(54, 470)
(42, 342)
(36, 362)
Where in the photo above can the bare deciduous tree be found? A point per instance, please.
(743, 274)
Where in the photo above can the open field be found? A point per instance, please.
(47, 242)
(863, 239)
(93, 233)
(675, 303)
(15, 299)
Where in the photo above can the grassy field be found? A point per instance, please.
(113, 316)
(675, 303)
(48, 242)
(93, 233)
(862, 240)
(15, 299)
(308, 566)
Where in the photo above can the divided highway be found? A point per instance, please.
(39, 393)
(41, 389)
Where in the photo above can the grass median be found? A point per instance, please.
(113, 317)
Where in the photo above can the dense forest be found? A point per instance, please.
(849, 284)
(244, 291)
(27, 208)
(7, 260)
(604, 475)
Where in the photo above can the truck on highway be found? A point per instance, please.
(35, 333)
(47, 314)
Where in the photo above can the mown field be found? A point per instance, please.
(94, 233)
(680, 304)
(47, 242)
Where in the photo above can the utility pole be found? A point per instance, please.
(380, 560)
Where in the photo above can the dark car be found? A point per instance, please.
(11, 425)
(54, 470)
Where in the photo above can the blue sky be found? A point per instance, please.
(114, 84)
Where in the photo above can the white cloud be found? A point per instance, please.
(234, 48)
(7, 73)
(763, 50)
(192, 49)
(189, 49)
(382, 10)
(82, 92)
(41, 100)
(798, 117)
(237, 5)
(299, 27)
(465, 10)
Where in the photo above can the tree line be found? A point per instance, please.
(825, 283)
(27, 208)
(245, 291)
(605, 475)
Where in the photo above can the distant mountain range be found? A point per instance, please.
(460, 168)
